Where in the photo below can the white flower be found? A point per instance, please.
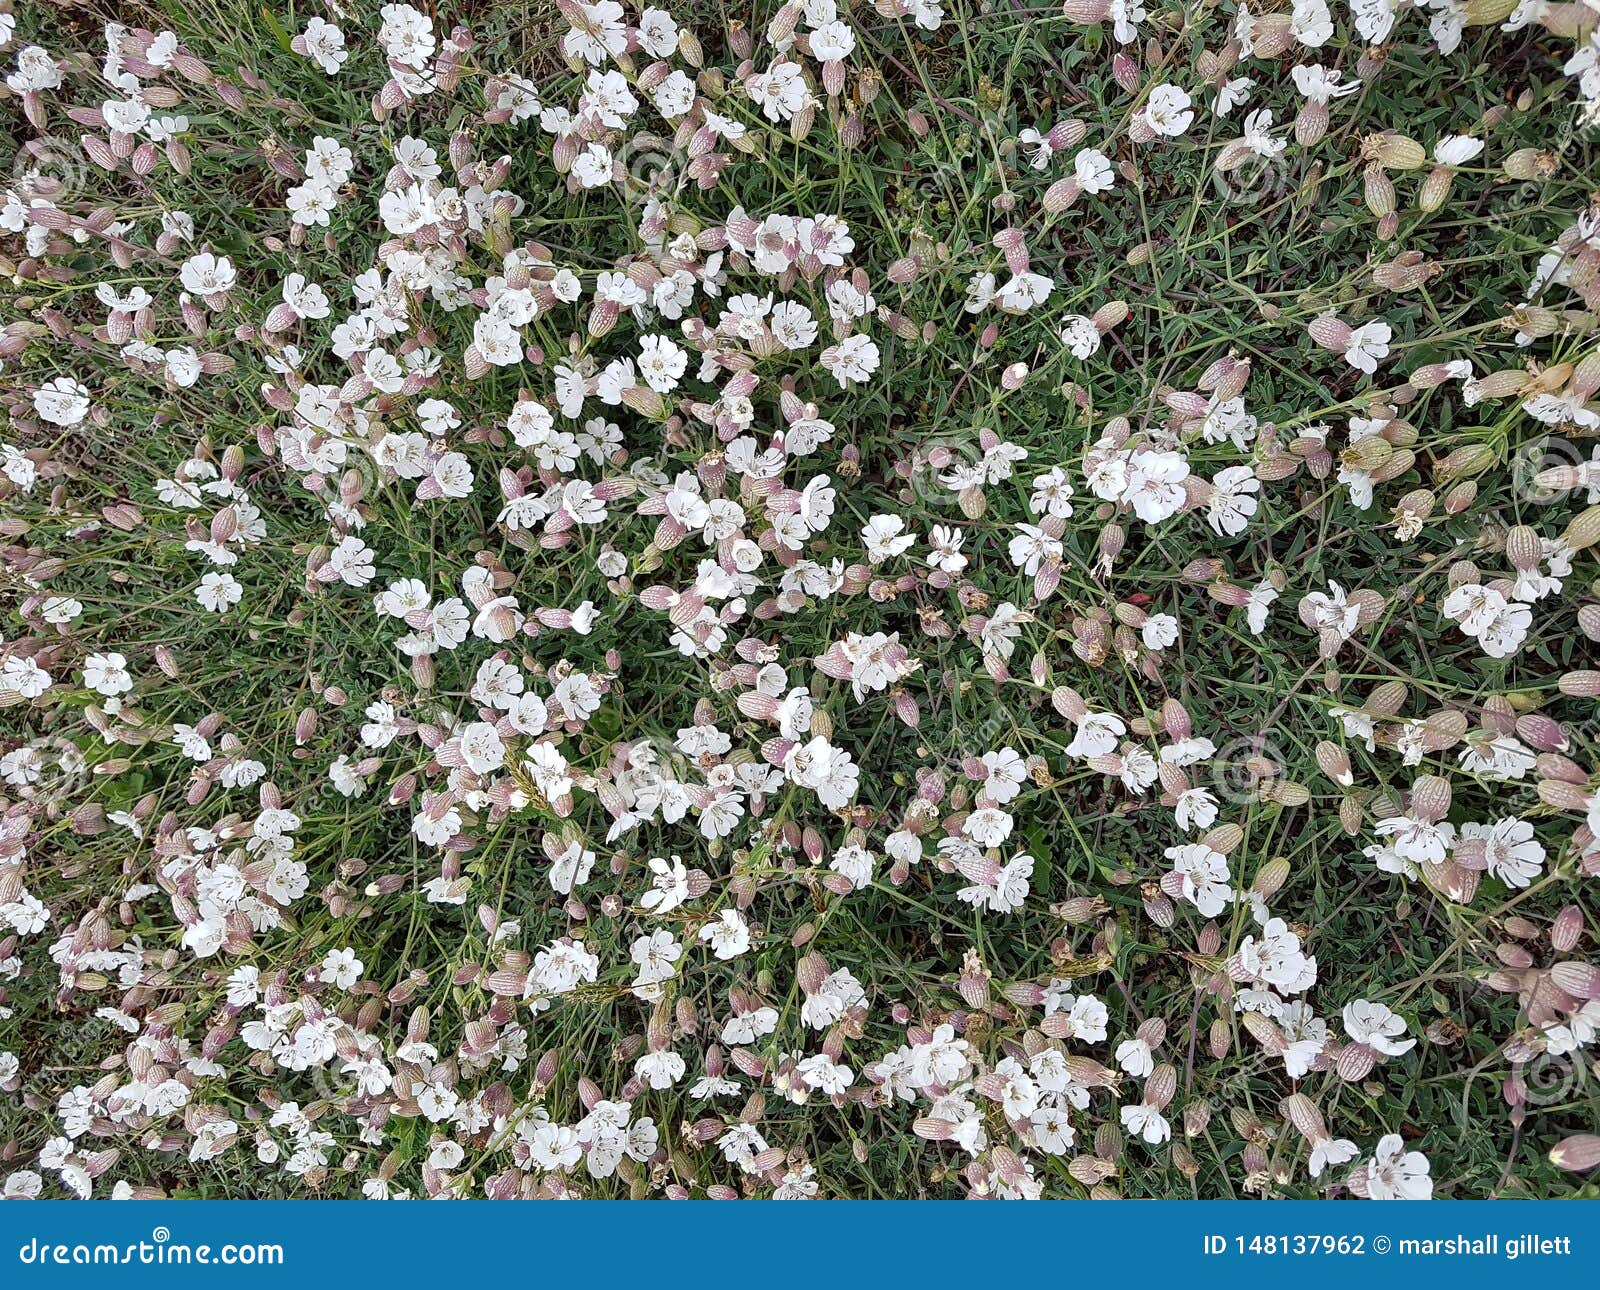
(1417, 840)
(1232, 501)
(1093, 171)
(324, 44)
(885, 537)
(1261, 597)
(660, 1070)
(1204, 878)
(600, 36)
(1135, 1057)
(107, 674)
(1159, 631)
(988, 826)
(1499, 626)
(1331, 611)
(1374, 19)
(1233, 93)
(219, 592)
(592, 167)
(1510, 850)
(1257, 133)
(1330, 1151)
(1097, 734)
(1378, 1028)
(832, 41)
(852, 361)
(1457, 149)
(1146, 1121)
(1397, 1174)
(481, 748)
(1319, 84)
(728, 935)
(1155, 485)
(1168, 110)
(62, 401)
(1023, 291)
(1080, 336)
(658, 33)
(1367, 344)
(207, 275)
(352, 562)
(571, 869)
(944, 551)
(342, 967)
(1032, 548)
(662, 363)
(1196, 808)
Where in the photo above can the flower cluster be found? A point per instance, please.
(673, 616)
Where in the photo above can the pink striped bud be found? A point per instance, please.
(1579, 1153)
(1330, 333)
(1567, 929)
(1541, 732)
(1430, 798)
